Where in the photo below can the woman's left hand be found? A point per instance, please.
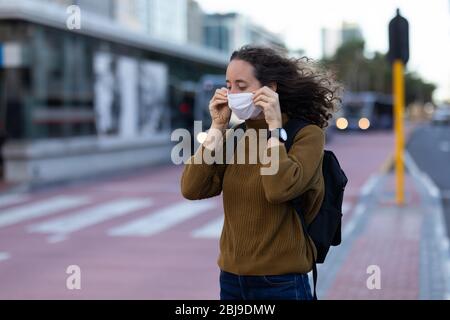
(268, 100)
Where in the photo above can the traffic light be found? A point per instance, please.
(399, 39)
(398, 56)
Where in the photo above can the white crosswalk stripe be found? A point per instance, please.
(346, 208)
(163, 219)
(211, 230)
(56, 238)
(4, 256)
(90, 216)
(39, 209)
(12, 199)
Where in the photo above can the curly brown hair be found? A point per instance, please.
(306, 90)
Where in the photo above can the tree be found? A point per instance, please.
(359, 73)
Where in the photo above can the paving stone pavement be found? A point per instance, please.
(405, 244)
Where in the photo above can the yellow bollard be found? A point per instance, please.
(399, 111)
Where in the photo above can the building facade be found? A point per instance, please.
(228, 32)
(106, 96)
(195, 17)
(82, 102)
(162, 19)
(332, 38)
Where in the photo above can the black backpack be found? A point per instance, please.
(325, 229)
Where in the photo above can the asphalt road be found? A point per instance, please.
(429, 146)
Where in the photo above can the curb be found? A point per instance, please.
(36, 186)
(387, 165)
(441, 231)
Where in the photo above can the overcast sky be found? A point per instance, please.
(300, 22)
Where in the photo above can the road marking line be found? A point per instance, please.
(445, 244)
(361, 207)
(346, 207)
(445, 194)
(61, 227)
(39, 209)
(431, 187)
(387, 164)
(211, 230)
(4, 256)
(163, 219)
(369, 186)
(349, 227)
(12, 199)
(56, 238)
(444, 146)
(440, 228)
(131, 189)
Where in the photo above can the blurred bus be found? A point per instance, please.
(365, 111)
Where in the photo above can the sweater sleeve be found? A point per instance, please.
(296, 169)
(201, 180)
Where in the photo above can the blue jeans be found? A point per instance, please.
(293, 286)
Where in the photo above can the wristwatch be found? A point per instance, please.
(278, 133)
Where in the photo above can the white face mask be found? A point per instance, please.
(242, 105)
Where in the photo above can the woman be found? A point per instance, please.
(263, 251)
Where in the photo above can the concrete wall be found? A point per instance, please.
(49, 161)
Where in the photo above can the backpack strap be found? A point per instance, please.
(292, 127)
(305, 232)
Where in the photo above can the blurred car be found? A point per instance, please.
(206, 88)
(365, 110)
(329, 130)
(441, 116)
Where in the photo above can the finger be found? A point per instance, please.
(263, 105)
(222, 97)
(268, 89)
(222, 92)
(218, 104)
(265, 91)
(257, 92)
(263, 98)
(269, 92)
(218, 97)
(215, 100)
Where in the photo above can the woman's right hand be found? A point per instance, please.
(219, 110)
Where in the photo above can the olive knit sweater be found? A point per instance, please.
(262, 233)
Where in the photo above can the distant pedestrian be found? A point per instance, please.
(263, 250)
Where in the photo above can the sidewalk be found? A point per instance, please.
(409, 244)
(5, 187)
